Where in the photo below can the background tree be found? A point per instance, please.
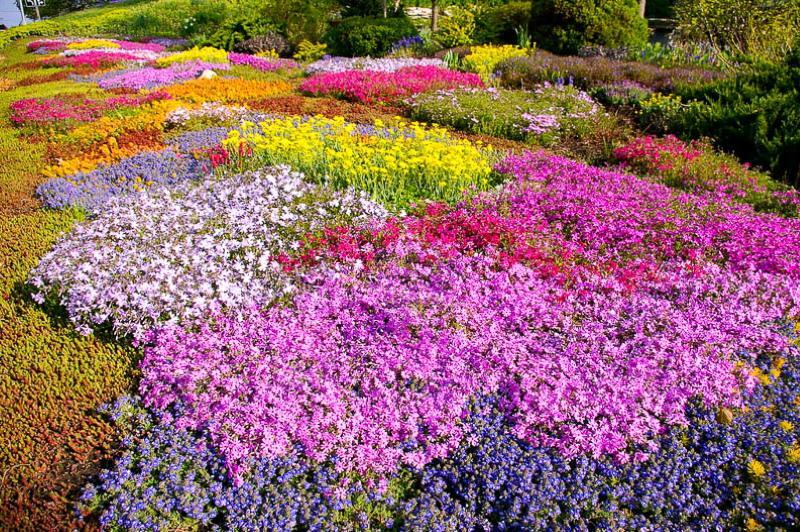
(565, 26)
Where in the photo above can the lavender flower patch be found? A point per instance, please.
(192, 141)
(181, 253)
(92, 190)
(212, 113)
(151, 77)
(264, 64)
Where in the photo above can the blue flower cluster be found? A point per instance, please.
(169, 478)
(719, 472)
(192, 141)
(93, 189)
(407, 43)
(703, 477)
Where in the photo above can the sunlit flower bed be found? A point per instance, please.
(152, 78)
(396, 163)
(70, 110)
(227, 90)
(376, 86)
(383, 64)
(382, 324)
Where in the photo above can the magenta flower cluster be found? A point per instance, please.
(61, 110)
(370, 86)
(94, 59)
(625, 302)
(264, 64)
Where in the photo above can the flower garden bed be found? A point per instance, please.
(238, 306)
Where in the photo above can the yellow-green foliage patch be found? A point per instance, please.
(51, 379)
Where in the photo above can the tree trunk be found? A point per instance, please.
(434, 16)
(642, 7)
(385, 14)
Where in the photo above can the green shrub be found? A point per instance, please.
(659, 111)
(764, 30)
(456, 29)
(498, 24)
(755, 114)
(364, 36)
(551, 115)
(234, 31)
(269, 41)
(308, 51)
(565, 26)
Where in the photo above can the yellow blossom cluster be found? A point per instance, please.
(396, 163)
(92, 43)
(207, 54)
(483, 60)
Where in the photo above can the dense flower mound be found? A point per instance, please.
(211, 113)
(95, 59)
(109, 139)
(710, 475)
(385, 64)
(169, 473)
(697, 167)
(206, 54)
(47, 46)
(152, 78)
(142, 46)
(395, 164)
(613, 216)
(378, 86)
(134, 174)
(543, 115)
(723, 469)
(578, 296)
(483, 60)
(227, 90)
(62, 111)
(179, 253)
(264, 64)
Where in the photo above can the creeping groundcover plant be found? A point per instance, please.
(395, 163)
(241, 294)
(528, 323)
(179, 253)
